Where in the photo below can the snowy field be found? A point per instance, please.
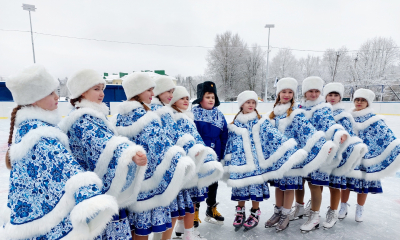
(381, 215)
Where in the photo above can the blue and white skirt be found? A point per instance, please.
(318, 178)
(363, 186)
(254, 192)
(156, 220)
(287, 183)
(198, 194)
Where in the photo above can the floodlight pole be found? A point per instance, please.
(30, 8)
(269, 26)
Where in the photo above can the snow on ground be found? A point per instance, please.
(381, 215)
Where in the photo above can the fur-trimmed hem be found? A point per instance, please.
(19, 150)
(184, 139)
(331, 130)
(353, 160)
(363, 125)
(136, 127)
(33, 112)
(64, 206)
(217, 169)
(74, 116)
(372, 161)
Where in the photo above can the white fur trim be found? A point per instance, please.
(82, 81)
(102, 107)
(136, 127)
(361, 113)
(67, 122)
(165, 110)
(185, 115)
(238, 183)
(163, 84)
(32, 112)
(284, 123)
(281, 108)
(180, 92)
(345, 114)
(31, 85)
(387, 172)
(19, 150)
(312, 83)
(128, 106)
(244, 118)
(358, 126)
(334, 87)
(353, 160)
(339, 105)
(246, 95)
(366, 94)
(136, 83)
(316, 107)
(214, 177)
(286, 83)
(185, 139)
(61, 210)
(356, 174)
(372, 161)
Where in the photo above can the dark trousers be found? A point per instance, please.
(212, 195)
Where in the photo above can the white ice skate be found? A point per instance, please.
(359, 213)
(157, 236)
(297, 212)
(191, 235)
(312, 222)
(179, 228)
(307, 208)
(331, 218)
(343, 211)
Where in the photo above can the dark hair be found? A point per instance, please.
(137, 98)
(333, 93)
(241, 109)
(160, 100)
(75, 100)
(176, 108)
(278, 100)
(10, 136)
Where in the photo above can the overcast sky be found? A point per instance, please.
(306, 24)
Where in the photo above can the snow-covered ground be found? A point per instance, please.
(381, 215)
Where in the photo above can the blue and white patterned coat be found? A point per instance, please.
(350, 153)
(298, 127)
(168, 167)
(382, 158)
(257, 152)
(50, 195)
(208, 169)
(319, 113)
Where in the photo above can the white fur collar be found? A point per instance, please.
(362, 112)
(189, 114)
(244, 118)
(128, 106)
(157, 101)
(32, 112)
(338, 105)
(281, 108)
(307, 103)
(100, 107)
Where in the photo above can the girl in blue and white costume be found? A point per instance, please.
(292, 122)
(319, 113)
(348, 156)
(208, 169)
(50, 195)
(168, 168)
(95, 144)
(255, 153)
(382, 158)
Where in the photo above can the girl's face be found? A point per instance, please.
(286, 95)
(95, 93)
(182, 103)
(333, 98)
(49, 102)
(147, 95)
(312, 95)
(249, 106)
(166, 97)
(360, 104)
(208, 101)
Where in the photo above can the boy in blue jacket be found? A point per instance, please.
(212, 126)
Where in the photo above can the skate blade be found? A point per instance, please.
(213, 221)
(270, 226)
(314, 228)
(280, 230)
(297, 218)
(237, 228)
(343, 217)
(177, 237)
(178, 234)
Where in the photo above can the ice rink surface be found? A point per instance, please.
(381, 212)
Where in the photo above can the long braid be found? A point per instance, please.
(176, 108)
(160, 100)
(10, 136)
(236, 115)
(290, 110)
(75, 100)
(137, 98)
(272, 114)
(258, 115)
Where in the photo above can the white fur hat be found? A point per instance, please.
(246, 95)
(334, 87)
(32, 84)
(163, 84)
(136, 83)
(82, 81)
(286, 83)
(365, 93)
(179, 93)
(312, 83)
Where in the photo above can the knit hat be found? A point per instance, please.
(82, 81)
(204, 87)
(179, 93)
(286, 83)
(312, 83)
(247, 95)
(334, 87)
(136, 83)
(32, 84)
(163, 84)
(365, 93)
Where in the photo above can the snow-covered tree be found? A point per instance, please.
(253, 69)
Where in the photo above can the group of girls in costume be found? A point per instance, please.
(86, 177)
